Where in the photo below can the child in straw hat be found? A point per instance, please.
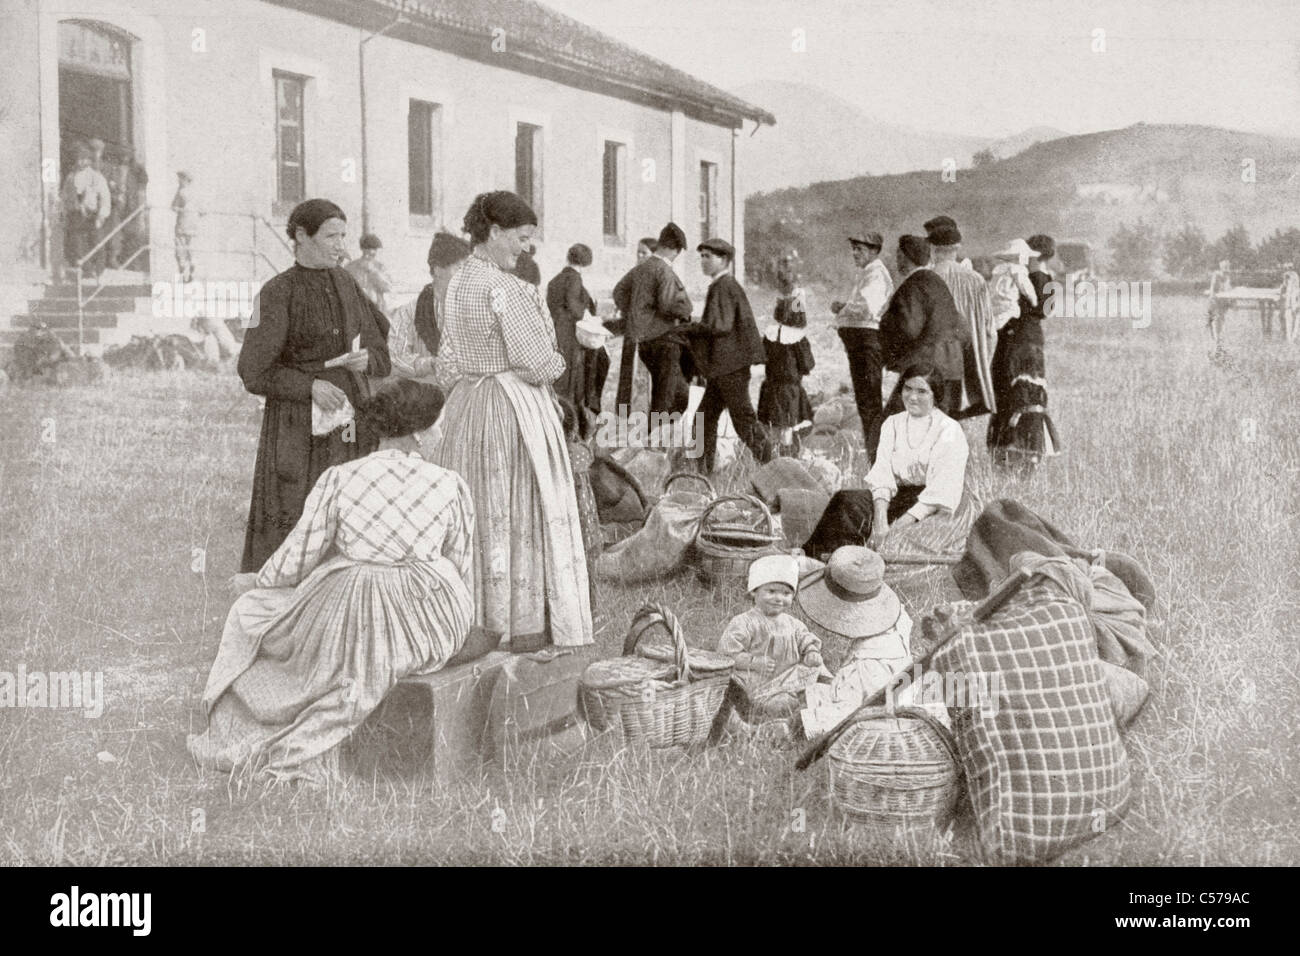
(776, 655)
(850, 600)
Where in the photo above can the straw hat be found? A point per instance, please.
(774, 569)
(850, 598)
(1016, 249)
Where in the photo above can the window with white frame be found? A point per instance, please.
(290, 138)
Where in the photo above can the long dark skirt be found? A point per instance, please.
(1021, 432)
(289, 460)
(848, 518)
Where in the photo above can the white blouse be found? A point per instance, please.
(936, 459)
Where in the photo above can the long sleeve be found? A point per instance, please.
(380, 364)
(530, 344)
(736, 636)
(803, 357)
(310, 539)
(575, 298)
(719, 316)
(409, 357)
(880, 479)
(458, 546)
(1026, 287)
(623, 295)
(808, 643)
(264, 341)
(945, 473)
(673, 301)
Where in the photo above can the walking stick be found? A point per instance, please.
(944, 632)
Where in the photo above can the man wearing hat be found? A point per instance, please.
(724, 345)
(971, 294)
(655, 306)
(850, 601)
(858, 322)
(922, 324)
(369, 271)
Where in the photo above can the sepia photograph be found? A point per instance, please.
(673, 433)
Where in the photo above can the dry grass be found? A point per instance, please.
(99, 527)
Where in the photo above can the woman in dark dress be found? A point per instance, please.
(305, 316)
(1021, 432)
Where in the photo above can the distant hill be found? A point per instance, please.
(1075, 187)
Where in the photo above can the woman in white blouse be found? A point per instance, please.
(919, 472)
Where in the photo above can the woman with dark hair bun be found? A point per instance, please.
(1021, 432)
(374, 583)
(302, 319)
(502, 433)
(919, 472)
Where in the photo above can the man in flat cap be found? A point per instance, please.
(971, 294)
(725, 343)
(858, 322)
(655, 308)
(922, 324)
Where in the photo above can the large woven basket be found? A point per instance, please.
(723, 550)
(664, 704)
(895, 770)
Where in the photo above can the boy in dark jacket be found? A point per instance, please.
(725, 344)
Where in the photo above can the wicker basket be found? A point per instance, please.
(723, 551)
(666, 711)
(895, 770)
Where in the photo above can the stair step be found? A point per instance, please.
(66, 320)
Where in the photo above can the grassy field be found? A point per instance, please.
(112, 497)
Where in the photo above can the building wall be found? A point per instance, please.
(206, 72)
(20, 140)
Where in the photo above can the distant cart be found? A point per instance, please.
(1262, 292)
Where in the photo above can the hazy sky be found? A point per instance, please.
(991, 67)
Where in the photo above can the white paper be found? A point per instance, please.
(323, 422)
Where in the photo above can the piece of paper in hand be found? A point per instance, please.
(323, 422)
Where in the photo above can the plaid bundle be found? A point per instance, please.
(1046, 769)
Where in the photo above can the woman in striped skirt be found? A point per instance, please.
(502, 433)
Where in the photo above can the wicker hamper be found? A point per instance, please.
(724, 549)
(666, 704)
(895, 770)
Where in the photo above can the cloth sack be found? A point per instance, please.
(660, 546)
(618, 494)
(1045, 768)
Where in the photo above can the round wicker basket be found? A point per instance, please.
(665, 704)
(895, 770)
(723, 550)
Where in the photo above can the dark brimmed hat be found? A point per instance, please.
(865, 237)
(1044, 246)
(942, 231)
(447, 250)
(850, 597)
(371, 241)
(719, 247)
(672, 236)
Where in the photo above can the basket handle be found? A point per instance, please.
(746, 499)
(688, 474)
(647, 617)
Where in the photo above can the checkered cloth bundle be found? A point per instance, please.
(1045, 767)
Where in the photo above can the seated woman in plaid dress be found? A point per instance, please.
(373, 584)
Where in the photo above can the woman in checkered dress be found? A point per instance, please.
(373, 584)
(502, 433)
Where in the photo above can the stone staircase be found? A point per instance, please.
(122, 308)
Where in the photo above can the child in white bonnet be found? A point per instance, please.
(776, 654)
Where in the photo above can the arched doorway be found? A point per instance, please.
(97, 110)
